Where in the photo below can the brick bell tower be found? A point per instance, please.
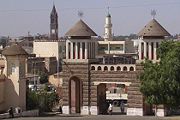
(54, 24)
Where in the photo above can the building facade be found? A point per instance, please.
(85, 78)
(12, 80)
(111, 46)
(150, 37)
(89, 65)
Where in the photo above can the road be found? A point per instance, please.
(99, 117)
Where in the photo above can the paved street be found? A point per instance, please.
(99, 117)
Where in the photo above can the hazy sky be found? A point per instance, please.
(17, 17)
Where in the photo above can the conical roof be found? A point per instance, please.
(80, 29)
(53, 12)
(14, 50)
(153, 28)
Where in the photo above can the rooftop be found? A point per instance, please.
(13, 50)
(80, 29)
(153, 28)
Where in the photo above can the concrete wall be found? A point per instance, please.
(1, 94)
(15, 85)
(55, 81)
(46, 49)
(49, 49)
(129, 47)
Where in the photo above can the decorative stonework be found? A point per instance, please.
(134, 111)
(85, 110)
(161, 112)
(93, 110)
(65, 109)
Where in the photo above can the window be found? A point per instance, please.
(118, 68)
(131, 68)
(69, 50)
(74, 50)
(83, 50)
(112, 68)
(152, 50)
(105, 68)
(125, 68)
(99, 67)
(92, 68)
(78, 46)
(13, 68)
(117, 47)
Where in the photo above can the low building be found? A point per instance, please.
(13, 79)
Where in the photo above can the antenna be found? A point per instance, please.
(53, 3)
(108, 10)
(80, 14)
(28, 33)
(153, 13)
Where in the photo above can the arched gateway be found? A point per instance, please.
(85, 79)
(75, 89)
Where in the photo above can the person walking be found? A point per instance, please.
(11, 112)
(110, 109)
(122, 107)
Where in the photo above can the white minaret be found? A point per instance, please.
(108, 28)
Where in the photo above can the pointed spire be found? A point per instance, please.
(53, 12)
(108, 15)
(54, 24)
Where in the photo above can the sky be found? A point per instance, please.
(18, 17)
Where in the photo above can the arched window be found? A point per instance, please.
(112, 68)
(105, 68)
(118, 68)
(124, 68)
(99, 67)
(131, 69)
(92, 68)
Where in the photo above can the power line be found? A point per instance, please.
(95, 8)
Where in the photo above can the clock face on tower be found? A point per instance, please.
(53, 31)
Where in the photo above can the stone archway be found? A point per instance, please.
(101, 98)
(75, 89)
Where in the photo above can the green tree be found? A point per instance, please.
(43, 78)
(47, 100)
(32, 100)
(149, 83)
(160, 82)
(42, 100)
(4, 41)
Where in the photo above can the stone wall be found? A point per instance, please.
(2, 87)
(81, 71)
(91, 78)
(135, 98)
